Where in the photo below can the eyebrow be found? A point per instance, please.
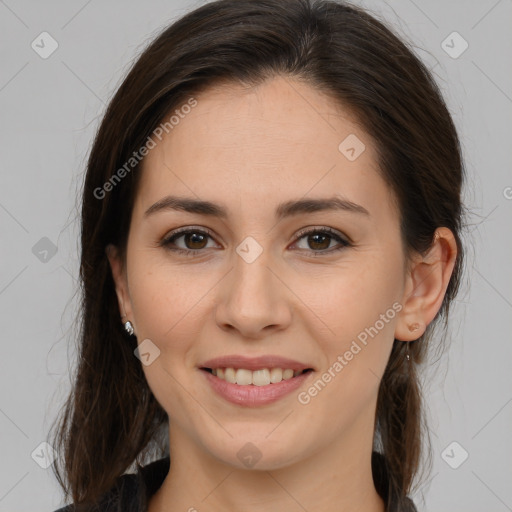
(286, 209)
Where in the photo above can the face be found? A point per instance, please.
(318, 285)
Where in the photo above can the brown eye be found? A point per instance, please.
(193, 241)
(319, 241)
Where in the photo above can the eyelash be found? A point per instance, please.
(167, 241)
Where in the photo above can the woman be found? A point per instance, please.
(271, 227)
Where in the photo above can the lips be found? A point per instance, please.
(256, 381)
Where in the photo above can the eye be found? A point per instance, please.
(193, 239)
(319, 240)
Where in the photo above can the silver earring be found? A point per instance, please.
(128, 327)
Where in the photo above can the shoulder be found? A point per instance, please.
(131, 491)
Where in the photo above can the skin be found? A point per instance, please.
(250, 149)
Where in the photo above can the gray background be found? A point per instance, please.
(49, 110)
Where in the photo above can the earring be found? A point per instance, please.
(128, 327)
(414, 327)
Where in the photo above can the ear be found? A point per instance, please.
(427, 279)
(119, 275)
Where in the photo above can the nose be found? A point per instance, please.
(253, 300)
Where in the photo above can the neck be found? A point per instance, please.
(333, 479)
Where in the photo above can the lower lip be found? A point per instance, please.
(251, 395)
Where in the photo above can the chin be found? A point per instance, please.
(256, 452)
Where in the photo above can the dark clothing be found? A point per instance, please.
(132, 491)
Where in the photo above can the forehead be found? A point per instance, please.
(279, 140)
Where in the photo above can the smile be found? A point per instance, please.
(254, 388)
(261, 377)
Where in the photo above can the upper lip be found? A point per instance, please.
(254, 363)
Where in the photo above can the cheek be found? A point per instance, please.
(360, 307)
(353, 297)
(167, 301)
(356, 355)
(169, 308)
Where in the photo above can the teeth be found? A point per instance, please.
(287, 374)
(276, 375)
(230, 375)
(243, 377)
(262, 377)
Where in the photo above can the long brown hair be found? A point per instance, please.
(111, 420)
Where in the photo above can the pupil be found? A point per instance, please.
(319, 236)
(194, 239)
